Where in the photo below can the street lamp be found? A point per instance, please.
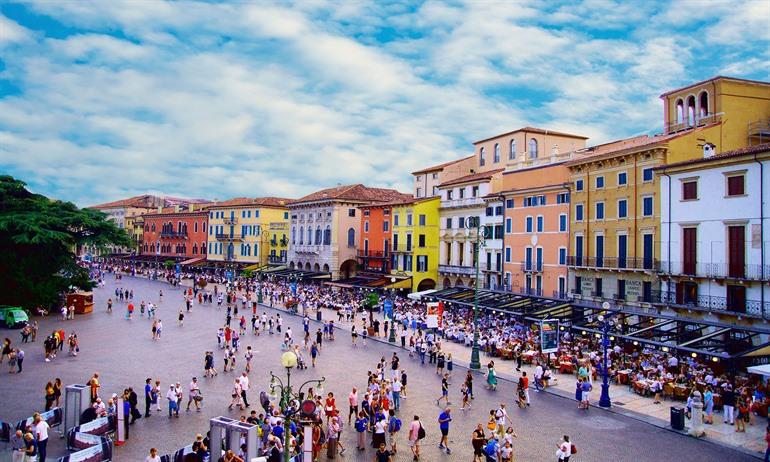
(289, 361)
(392, 337)
(605, 325)
(481, 231)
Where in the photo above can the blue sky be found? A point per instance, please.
(105, 99)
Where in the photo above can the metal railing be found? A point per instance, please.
(373, 253)
(715, 270)
(276, 259)
(173, 235)
(228, 237)
(712, 303)
(455, 269)
(532, 266)
(618, 263)
(464, 202)
(230, 220)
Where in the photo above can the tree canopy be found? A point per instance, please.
(39, 238)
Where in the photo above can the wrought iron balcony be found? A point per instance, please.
(712, 303)
(276, 259)
(373, 253)
(173, 235)
(229, 237)
(715, 270)
(456, 269)
(532, 266)
(613, 263)
(230, 220)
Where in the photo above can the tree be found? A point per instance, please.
(369, 302)
(39, 238)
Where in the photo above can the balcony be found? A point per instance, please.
(173, 235)
(751, 272)
(464, 202)
(532, 291)
(455, 269)
(229, 237)
(230, 258)
(308, 249)
(230, 220)
(713, 303)
(674, 126)
(373, 254)
(613, 263)
(276, 259)
(560, 294)
(532, 267)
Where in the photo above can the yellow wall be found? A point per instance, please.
(266, 218)
(429, 208)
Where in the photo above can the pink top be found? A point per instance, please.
(414, 429)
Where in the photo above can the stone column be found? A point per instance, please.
(696, 423)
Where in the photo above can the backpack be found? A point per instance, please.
(420, 433)
(395, 425)
(573, 449)
(322, 437)
(491, 449)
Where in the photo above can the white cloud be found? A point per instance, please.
(12, 32)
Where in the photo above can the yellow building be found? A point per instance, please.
(415, 241)
(615, 215)
(135, 230)
(248, 232)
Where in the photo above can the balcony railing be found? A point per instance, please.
(560, 294)
(464, 202)
(173, 235)
(373, 253)
(276, 259)
(532, 266)
(532, 291)
(229, 237)
(615, 263)
(712, 303)
(715, 270)
(455, 269)
(230, 220)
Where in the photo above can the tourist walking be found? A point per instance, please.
(416, 433)
(443, 424)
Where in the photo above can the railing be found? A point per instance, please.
(712, 303)
(307, 248)
(597, 293)
(464, 202)
(454, 269)
(715, 270)
(532, 266)
(276, 259)
(618, 263)
(230, 220)
(674, 127)
(173, 235)
(561, 294)
(532, 291)
(373, 253)
(229, 237)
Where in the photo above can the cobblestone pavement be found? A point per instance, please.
(124, 354)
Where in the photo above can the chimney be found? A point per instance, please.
(709, 149)
(176, 208)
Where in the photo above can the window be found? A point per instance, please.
(395, 219)
(679, 111)
(434, 176)
(351, 237)
(386, 212)
(422, 263)
(539, 223)
(736, 185)
(490, 211)
(449, 223)
(562, 198)
(461, 222)
(195, 227)
(301, 235)
(508, 225)
(421, 240)
(462, 192)
(386, 226)
(366, 226)
(622, 178)
(579, 212)
(512, 151)
(498, 210)
(408, 242)
(599, 182)
(408, 219)
(507, 254)
(647, 208)
(622, 208)
(600, 210)
(532, 148)
(528, 224)
(449, 195)
(328, 235)
(419, 192)
(562, 256)
(647, 174)
(421, 220)
(509, 203)
(351, 212)
(395, 242)
(366, 213)
(407, 263)
(563, 223)
(691, 110)
(689, 190)
(578, 185)
(474, 191)
(285, 215)
(497, 153)
(482, 161)
(541, 199)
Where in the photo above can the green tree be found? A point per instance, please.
(39, 238)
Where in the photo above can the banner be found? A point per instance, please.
(53, 417)
(98, 426)
(549, 336)
(79, 440)
(435, 311)
(98, 453)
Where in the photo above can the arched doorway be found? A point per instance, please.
(426, 284)
(326, 268)
(307, 266)
(459, 283)
(347, 269)
(317, 268)
(291, 265)
(447, 283)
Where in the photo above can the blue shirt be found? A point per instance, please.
(444, 419)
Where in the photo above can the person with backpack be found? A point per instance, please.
(565, 450)
(492, 449)
(362, 424)
(394, 425)
(443, 424)
(416, 433)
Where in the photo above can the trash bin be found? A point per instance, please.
(677, 418)
(318, 314)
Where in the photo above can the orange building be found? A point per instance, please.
(376, 232)
(536, 229)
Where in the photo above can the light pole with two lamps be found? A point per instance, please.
(392, 300)
(289, 361)
(481, 231)
(605, 324)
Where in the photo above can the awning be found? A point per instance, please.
(254, 267)
(270, 270)
(760, 370)
(192, 261)
(419, 295)
(402, 284)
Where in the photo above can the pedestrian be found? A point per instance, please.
(18, 446)
(147, 396)
(352, 404)
(403, 383)
(153, 457)
(109, 305)
(41, 436)
(248, 357)
(565, 449)
(394, 426)
(395, 389)
(478, 439)
(156, 396)
(244, 382)
(362, 425)
(466, 397)
(30, 448)
(501, 417)
(491, 376)
(469, 383)
(171, 396)
(236, 396)
(492, 449)
(416, 433)
(194, 395)
(181, 318)
(382, 454)
(443, 424)
(444, 390)
(313, 353)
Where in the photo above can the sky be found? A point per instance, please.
(101, 100)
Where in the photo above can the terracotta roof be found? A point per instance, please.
(719, 77)
(145, 200)
(253, 201)
(540, 131)
(440, 166)
(353, 192)
(765, 147)
(203, 207)
(472, 177)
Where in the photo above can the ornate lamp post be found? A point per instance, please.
(605, 324)
(392, 336)
(289, 361)
(475, 223)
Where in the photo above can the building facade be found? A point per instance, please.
(426, 181)
(415, 242)
(715, 233)
(491, 256)
(249, 231)
(376, 237)
(326, 226)
(178, 232)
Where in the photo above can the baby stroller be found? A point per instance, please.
(522, 397)
(301, 364)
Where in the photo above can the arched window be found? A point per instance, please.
(497, 153)
(318, 236)
(703, 111)
(293, 235)
(691, 110)
(512, 152)
(203, 248)
(195, 249)
(679, 111)
(351, 237)
(532, 148)
(301, 235)
(328, 235)
(310, 235)
(482, 161)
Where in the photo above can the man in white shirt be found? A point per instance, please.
(501, 415)
(41, 434)
(244, 388)
(195, 391)
(171, 396)
(538, 377)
